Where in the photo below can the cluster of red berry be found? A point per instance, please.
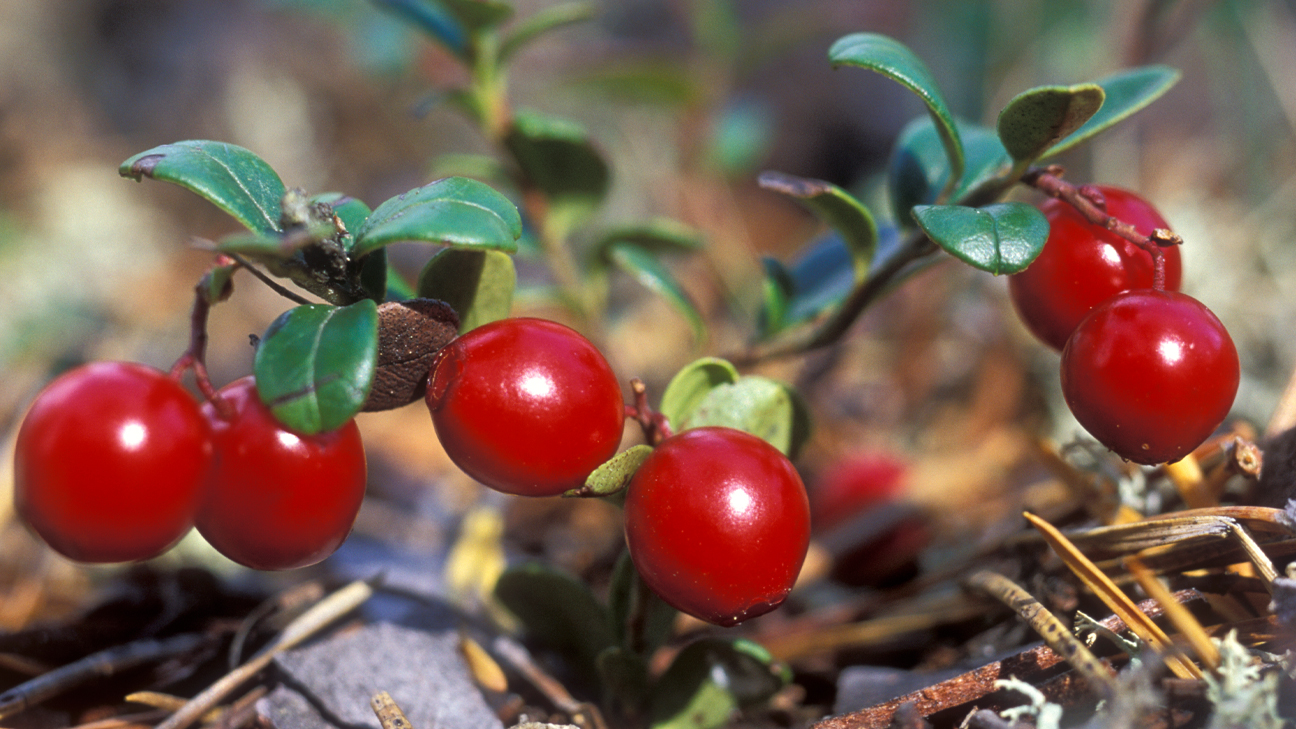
(1148, 371)
(717, 521)
(115, 462)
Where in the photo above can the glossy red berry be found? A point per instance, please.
(277, 500)
(855, 484)
(1150, 374)
(1083, 265)
(526, 406)
(110, 462)
(718, 524)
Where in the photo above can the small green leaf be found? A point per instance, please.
(397, 287)
(648, 270)
(477, 284)
(710, 679)
(778, 289)
(373, 275)
(557, 156)
(456, 211)
(656, 236)
(558, 611)
(918, 168)
(999, 238)
(315, 364)
(542, 22)
(478, 15)
(615, 474)
(894, 60)
(1037, 118)
(766, 408)
(432, 18)
(691, 384)
(1126, 92)
(230, 177)
(836, 207)
(657, 622)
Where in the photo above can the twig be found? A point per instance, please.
(312, 621)
(104, 663)
(388, 712)
(518, 656)
(275, 286)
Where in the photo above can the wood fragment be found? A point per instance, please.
(310, 622)
(388, 712)
(1179, 615)
(1107, 591)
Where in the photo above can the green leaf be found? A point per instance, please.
(710, 679)
(542, 22)
(557, 156)
(657, 623)
(648, 270)
(999, 238)
(397, 288)
(456, 211)
(350, 211)
(691, 384)
(778, 289)
(615, 474)
(432, 18)
(1126, 92)
(894, 60)
(315, 364)
(1037, 118)
(230, 177)
(660, 82)
(558, 611)
(478, 15)
(766, 408)
(373, 275)
(477, 284)
(918, 169)
(836, 207)
(657, 236)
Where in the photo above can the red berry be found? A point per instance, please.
(526, 406)
(718, 523)
(277, 500)
(854, 484)
(1083, 265)
(1150, 374)
(110, 462)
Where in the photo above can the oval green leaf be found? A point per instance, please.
(918, 168)
(615, 474)
(894, 60)
(1037, 118)
(778, 289)
(557, 156)
(455, 211)
(648, 270)
(1126, 92)
(836, 207)
(316, 364)
(230, 177)
(558, 611)
(999, 238)
(766, 408)
(691, 384)
(710, 679)
(477, 284)
(656, 236)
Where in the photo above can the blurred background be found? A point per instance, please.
(689, 100)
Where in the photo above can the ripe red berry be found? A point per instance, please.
(855, 484)
(277, 500)
(1150, 374)
(526, 406)
(110, 462)
(718, 524)
(1083, 265)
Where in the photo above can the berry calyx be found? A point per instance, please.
(110, 462)
(1150, 374)
(718, 523)
(1083, 265)
(277, 500)
(526, 406)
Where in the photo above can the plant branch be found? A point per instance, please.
(263, 278)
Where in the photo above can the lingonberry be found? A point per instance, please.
(854, 484)
(526, 406)
(1150, 374)
(718, 523)
(277, 500)
(110, 462)
(1083, 265)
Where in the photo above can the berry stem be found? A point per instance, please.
(195, 356)
(656, 427)
(1089, 202)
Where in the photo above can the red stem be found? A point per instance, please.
(1089, 202)
(656, 427)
